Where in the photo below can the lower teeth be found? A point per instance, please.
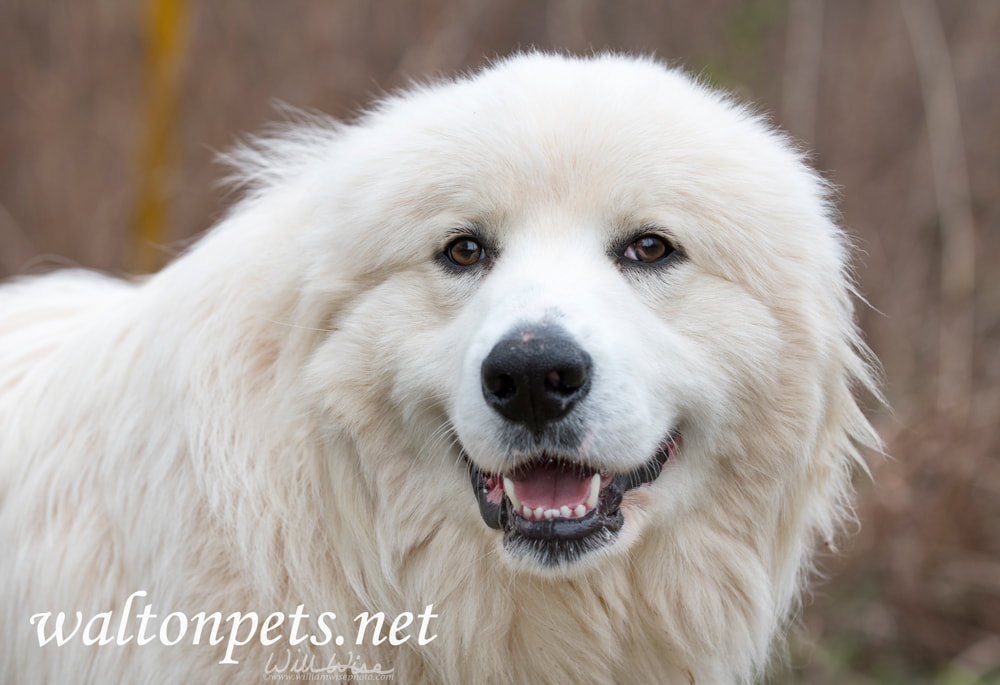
(564, 511)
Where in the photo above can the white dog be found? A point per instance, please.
(554, 361)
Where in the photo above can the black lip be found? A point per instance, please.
(555, 541)
(495, 515)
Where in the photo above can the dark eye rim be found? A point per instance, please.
(672, 254)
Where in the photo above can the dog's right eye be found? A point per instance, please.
(465, 252)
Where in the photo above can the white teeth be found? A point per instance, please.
(508, 487)
(595, 490)
(564, 511)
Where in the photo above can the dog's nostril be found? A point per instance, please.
(553, 379)
(534, 376)
(501, 385)
(566, 380)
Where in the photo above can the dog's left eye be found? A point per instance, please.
(648, 249)
(465, 252)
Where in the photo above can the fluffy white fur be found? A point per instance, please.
(275, 418)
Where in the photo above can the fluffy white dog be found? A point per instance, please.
(554, 360)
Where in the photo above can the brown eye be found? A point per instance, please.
(465, 252)
(648, 248)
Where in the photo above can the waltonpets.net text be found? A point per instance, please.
(242, 628)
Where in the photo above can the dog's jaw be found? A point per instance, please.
(554, 511)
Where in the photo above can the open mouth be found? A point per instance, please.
(555, 509)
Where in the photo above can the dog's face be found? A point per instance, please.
(574, 390)
(611, 288)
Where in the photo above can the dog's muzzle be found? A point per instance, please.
(551, 505)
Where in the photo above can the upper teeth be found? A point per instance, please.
(508, 487)
(595, 490)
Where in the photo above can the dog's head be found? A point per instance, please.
(608, 296)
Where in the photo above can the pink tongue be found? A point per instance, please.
(550, 487)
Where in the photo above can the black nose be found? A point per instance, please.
(535, 375)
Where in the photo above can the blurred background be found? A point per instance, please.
(112, 111)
